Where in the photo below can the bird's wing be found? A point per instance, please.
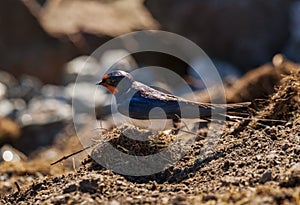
(145, 99)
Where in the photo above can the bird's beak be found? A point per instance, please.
(100, 83)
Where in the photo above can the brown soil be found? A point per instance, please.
(254, 162)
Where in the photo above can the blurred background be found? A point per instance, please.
(44, 43)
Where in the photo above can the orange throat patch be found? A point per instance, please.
(111, 89)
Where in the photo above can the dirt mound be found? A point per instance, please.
(284, 104)
(249, 163)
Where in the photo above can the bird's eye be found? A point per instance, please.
(110, 81)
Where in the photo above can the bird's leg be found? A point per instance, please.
(176, 125)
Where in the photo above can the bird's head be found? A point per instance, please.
(116, 81)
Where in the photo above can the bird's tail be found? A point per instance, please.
(231, 107)
(207, 110)
(238, 107)
(241, 111)
(238, 110)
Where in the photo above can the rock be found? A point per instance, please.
(89, 186)
(9, 154)
(46, 36)
(209, 197)
(10, 108)
(128, 63)
(45, 111)
(7, 79)
(27, 88)
(247, 33)
(114, 202)
(100, 17)
(267, 176)
(80, 69)
(27, 48)
(2, 91)
(86, 96)
(55, 92)
(70, 188)
(292, 178)
(6, 107)
(226, 180)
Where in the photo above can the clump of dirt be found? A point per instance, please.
(133, 150)
(283, 104)
(260, 83)
(245, 163)
(135, 141)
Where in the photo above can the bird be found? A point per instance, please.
(137, 101)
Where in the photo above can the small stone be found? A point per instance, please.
(258, 157)
(2, 91)
(70, 189)
(7, 79)
(208, 198)
(6, 107)
(89, 186)
(272, 155)
(165, 200)
(292, 177)
(226, 165)
(267, 176)
(45, 111)
(285, 147)
(10, 154)
(114, 202)
(278, 60)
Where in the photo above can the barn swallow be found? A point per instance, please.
(136, 100)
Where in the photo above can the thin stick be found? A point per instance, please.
(70, 155)
(18, 186)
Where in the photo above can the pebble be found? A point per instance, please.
(258, 157)
(7, 79)
(6, 107)
(56, 92)
(27, 88)
(114, 202)
(267, 176)
(86, 95)
(10, 154)
(272, 155)
(4, 177)
(109, 60)
(80, 69)
(2, 91)
(70, 188)
(43, 111)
